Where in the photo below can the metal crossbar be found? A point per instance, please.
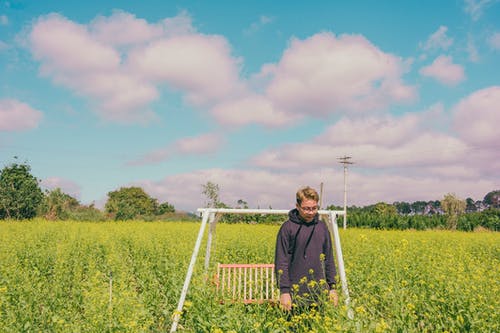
(246, 283)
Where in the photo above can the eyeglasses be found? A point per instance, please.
(309, 209)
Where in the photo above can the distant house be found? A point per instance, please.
(430, 209)
(495, 200)
(480, 206)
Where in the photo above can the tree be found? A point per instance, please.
(404, 208)
(492, 199)
(470, 205)
(165, 208)
(87, 213)
(242, 204)
(453, 208)
(418, 207)
(20, 193)
(58, 205)
(211, 191)
(384, 209)
(129, 203)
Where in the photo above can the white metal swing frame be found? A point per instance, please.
(209, 216)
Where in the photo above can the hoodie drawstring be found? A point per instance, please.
(309, 240)
(307, 243)
(295, 242)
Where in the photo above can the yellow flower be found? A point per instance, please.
(312, 284)
(360, 309)
(381, 326)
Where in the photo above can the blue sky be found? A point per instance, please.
(259, 97)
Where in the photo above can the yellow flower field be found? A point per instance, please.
(127, 277)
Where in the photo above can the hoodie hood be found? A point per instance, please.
(295, 218)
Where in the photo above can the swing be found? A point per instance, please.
(248, 283)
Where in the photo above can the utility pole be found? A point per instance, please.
(321, 195)
(345, 161)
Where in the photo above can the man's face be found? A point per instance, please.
(307, 209)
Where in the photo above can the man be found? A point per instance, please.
(304, 260)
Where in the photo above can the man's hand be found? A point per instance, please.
(334, 298)
(286, 301)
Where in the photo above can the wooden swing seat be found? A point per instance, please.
(246, 283)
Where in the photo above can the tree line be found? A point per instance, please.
(22, 198)
(449, 213)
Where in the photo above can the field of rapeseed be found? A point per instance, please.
(127, 276)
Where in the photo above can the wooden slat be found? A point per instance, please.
(247, 283)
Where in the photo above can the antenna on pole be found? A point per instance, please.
(345, 161)
(321, 195)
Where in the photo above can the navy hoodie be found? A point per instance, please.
(299, 248)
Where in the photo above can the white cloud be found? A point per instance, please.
(65, 47)
(475, 8)
(120, 73)
(178, 25)
(73, 58)
(123, 29)
(277, 189)
(455, 171)
(256, 26)
(18, 116)
(3, 46)
(494, 41)
(438, 40)
(380, 143)
(321, 75)
(471, 49)
(477, 118)
(199, 66)
(444, 70)
(153, 157)
(369, 189)
(67, 186)
(425, 150)
(396, 158)
(251, 109)
(118, 63)
(259, 188)
(387, 131)
(325, 74)
(202, 144)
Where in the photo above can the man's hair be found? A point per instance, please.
(307, 193)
